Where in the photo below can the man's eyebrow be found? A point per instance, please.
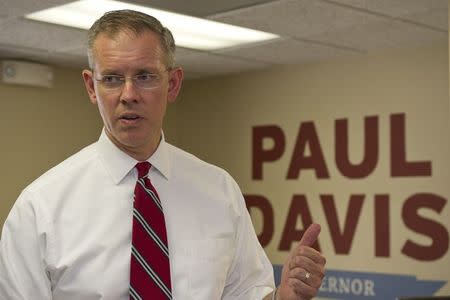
(109, 72)
(138, 72)
(146, 70)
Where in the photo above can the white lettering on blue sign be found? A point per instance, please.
(348, 286)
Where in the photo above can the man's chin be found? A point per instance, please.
(136, 142)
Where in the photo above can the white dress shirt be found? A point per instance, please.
(68, 236)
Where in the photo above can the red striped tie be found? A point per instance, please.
(150, 269)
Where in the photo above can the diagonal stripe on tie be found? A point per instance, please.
(150, 267)
(150, 193)
(134, 294)
(151, 273)
(143, 283)
(151, 233)
(150, 212)
(157, 259)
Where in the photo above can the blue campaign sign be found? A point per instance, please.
(347, 285)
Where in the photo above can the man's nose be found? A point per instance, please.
(129, 91)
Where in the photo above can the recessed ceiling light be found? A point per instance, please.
(188, 31)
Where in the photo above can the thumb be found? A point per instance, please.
(310, 235)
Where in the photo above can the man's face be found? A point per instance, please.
(132, 115)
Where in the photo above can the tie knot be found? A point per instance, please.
(143, 168)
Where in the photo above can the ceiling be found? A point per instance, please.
(310, 30)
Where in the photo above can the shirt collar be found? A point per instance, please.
(118, 164)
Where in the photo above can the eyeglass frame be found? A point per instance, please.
(122, 79)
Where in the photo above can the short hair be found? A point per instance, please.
(117, 21)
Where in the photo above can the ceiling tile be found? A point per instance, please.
(18, 8)
(395, 8)
(432, 13)
(200, 8)
(379, 36)
(37, 35)
(285, 51)
(3, 19)
(436, 18)
(299, 19)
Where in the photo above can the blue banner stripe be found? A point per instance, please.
(348, 285)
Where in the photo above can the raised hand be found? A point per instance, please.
(304, 269)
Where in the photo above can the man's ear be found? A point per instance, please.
(175, 79)
(89, 84)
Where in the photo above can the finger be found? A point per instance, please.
(311, 253)
(301, 289)
(311, 279)
(310, 235)
(308, 265)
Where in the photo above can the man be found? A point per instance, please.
(76, 233)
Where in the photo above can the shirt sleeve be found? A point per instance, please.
(251, 273)
(23, 246)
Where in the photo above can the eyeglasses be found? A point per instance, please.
(143, 81)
